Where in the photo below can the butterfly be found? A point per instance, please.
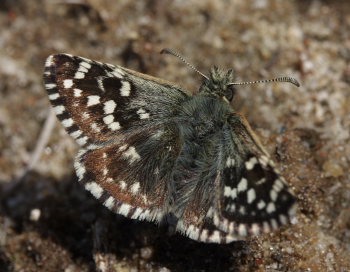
(150, 149)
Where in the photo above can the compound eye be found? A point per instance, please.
(230, 92)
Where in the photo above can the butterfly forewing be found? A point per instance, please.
(95, 100)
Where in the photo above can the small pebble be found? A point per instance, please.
(35, 215)
(146, 253)
(332, 169)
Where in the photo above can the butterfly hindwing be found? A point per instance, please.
(247, 195)
(130, 176)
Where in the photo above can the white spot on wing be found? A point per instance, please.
(100, 84)
(230, 238)
(125, 89)
(79, 75)
(271, 207)
(67, 122)
(82, 69)
(50, 86)
(86, 60)
(273, 195)
(108, 119)
(204, 235)
(79, 169)
(242, 210)
(210, 212)
(95, 127)
(215, 237)
(95, 189)
(216, 219)
(49, 61)
(230, 162)
(278, 185)
(114, 126)
(82, 140)
(242, 185)
(122, 184)
(192, 232)
(85, 64)
(261, 204)
(124, 209)
(131, 154)
(135, 187)
(117, 72)
(229, 192)
(76, 134)
(231, 227)
(109, 203)
(54, 96)
(143, 114)
(224, 224)
(67, 83)
(122, 148)
(109, 107)
(136, 213)
(93, 146)
(251, 163)
(144, 215)
(85, 115)
(93, 100)
(59, 109)
(251, 195)
(77, 92)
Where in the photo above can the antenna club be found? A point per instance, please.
(278, 79)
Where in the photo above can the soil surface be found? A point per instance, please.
(48, 222)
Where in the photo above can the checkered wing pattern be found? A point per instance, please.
(96, 101)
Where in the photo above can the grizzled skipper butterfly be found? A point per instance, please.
(150, 149)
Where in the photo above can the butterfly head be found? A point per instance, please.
(221, 83)
(218, 83)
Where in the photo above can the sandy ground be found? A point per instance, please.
(49, 223)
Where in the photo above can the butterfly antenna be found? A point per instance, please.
(173, 53)
(278, 79)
